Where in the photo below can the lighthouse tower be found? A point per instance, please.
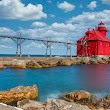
(102, 29)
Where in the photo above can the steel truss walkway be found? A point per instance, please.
(48, 43)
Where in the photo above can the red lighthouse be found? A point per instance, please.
(94, 43)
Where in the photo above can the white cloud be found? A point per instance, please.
(6, 40)
(38, 24)
(5, 46)
(15, 9)
(6, 31)
(91, 18)
(63, 26)
(66, 6)
(107, 2)
(57, 31)
(34, 45)
(92, 5)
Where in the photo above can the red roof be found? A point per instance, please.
(94, 35)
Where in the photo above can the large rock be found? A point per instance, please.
(51, 104)
(78, 60)
(29, 104)
(7, 63)
(104, 103)
(75, 96)
(65, 62)
(93, 60)
(19, 93)
(33, 64)
(50, 62)
(1, 65)
(8, 107)
(85, 60)
(18, 64)
(102, 59)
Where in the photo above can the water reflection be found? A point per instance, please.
(95, 77)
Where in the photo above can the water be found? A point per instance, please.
(25, 55)
(54, 81)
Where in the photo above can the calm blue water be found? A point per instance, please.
(54, 81)
(25, 55)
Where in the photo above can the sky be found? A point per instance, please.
(62, 20)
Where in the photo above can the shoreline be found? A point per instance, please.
(27, 100)
(42, 62)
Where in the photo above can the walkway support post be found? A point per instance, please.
(69, 45)
(48, 44)
(18, 41)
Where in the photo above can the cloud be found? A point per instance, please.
(107, 2)
(57, 31)
(6, 40)
(38, 24)
(92, 5)
(5, 46)
(6, 31)
(63, 26)
(91, 18)
(15, 9)
(34, 45)
(66, 6)
(88, 20)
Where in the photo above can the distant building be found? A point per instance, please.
(94, 43)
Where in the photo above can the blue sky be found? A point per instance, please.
(59, 19)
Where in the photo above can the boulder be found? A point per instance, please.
(18, 64)
(102, 60)
(8, 107)
(19, 93)
(1, 65)
(104, 103)
(27, 104)
(65, 62)
(50, 62)
(51, 104)
(33, 64)
(85, 60)
(77, 60)
(7, 63)
(76, 96)
(93, 60)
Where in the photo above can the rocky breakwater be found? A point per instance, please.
(8, 107)
(19, 93)
(1, 65)
(86, 98)
(65, 62)
(104, 102)
(32, 64)
(50, 104)
(18, 64)
(91, 60)
(49, 62)
(75, 96)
